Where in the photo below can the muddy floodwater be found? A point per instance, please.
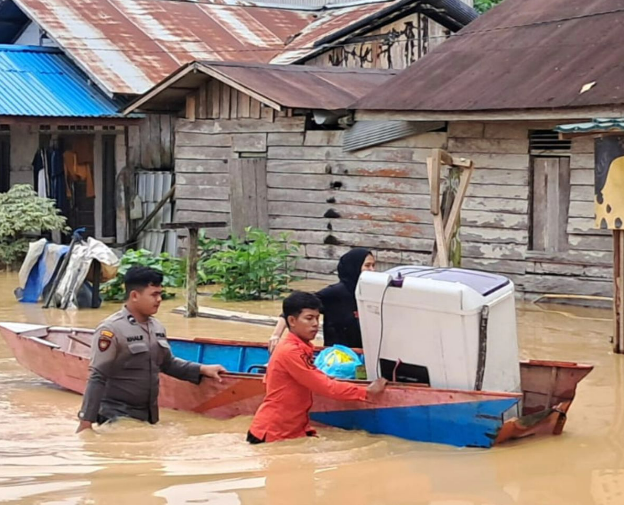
(189, 459)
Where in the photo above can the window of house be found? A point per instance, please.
(550, 165)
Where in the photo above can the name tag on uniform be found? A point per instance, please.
(161, 335)
(135, 338)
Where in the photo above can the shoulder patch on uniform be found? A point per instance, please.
(107, 334)
(104, 343)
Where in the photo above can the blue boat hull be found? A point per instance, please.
(472, 423)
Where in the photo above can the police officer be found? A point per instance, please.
(129, 350)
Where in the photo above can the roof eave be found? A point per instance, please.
(204, 68)
(607, 111)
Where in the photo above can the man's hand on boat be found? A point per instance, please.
(375, 389)
(212, 371)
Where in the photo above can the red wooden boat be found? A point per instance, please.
(411, 411)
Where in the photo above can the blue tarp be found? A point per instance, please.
(48, 257)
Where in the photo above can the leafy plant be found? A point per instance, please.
(482, 6)
(23, 212)
(252, 268)
(171, 268)
(206, 247)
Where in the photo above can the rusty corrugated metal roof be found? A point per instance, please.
(523, 54)
(129, 45)
(279, 86)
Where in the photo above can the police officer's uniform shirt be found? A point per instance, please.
(126, 358)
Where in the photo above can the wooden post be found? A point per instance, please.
(447, 248)
(191, 274)
(618, 294)
(433, 171)
(191, 265)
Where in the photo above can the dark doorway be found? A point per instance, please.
(5, 163)
(108, 186)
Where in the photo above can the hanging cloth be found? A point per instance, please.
(41, 173)
(57, 179)
(78, 171)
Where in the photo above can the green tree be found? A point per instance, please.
(482, 6)
(23, 212)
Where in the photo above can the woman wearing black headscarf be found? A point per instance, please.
(340, 318)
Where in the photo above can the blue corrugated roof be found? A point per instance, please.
(42, 81)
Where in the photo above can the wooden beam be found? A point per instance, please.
(190, 107)
(434, 166)
(573, 114)
(193, 224)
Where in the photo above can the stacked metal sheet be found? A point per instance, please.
(151, 189)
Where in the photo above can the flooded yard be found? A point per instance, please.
(189, 459)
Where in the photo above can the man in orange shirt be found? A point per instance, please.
(292, 378)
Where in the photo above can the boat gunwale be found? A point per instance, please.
(242, 375)
(246, 343)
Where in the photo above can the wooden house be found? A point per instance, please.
(501, 86)
(124, 47)
(261, 145)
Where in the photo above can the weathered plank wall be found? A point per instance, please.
(406, 40)
(497, 227)
(379, 198)
(223, 129)
(150, 143)
(215, 100)
(331, 200)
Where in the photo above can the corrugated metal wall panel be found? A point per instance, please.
(365, 134)
(151, 188)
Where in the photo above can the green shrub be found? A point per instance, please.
(171, 268)
(255, 267)
(22, 211)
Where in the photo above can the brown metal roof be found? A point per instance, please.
(523, 54)
(278, 86)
